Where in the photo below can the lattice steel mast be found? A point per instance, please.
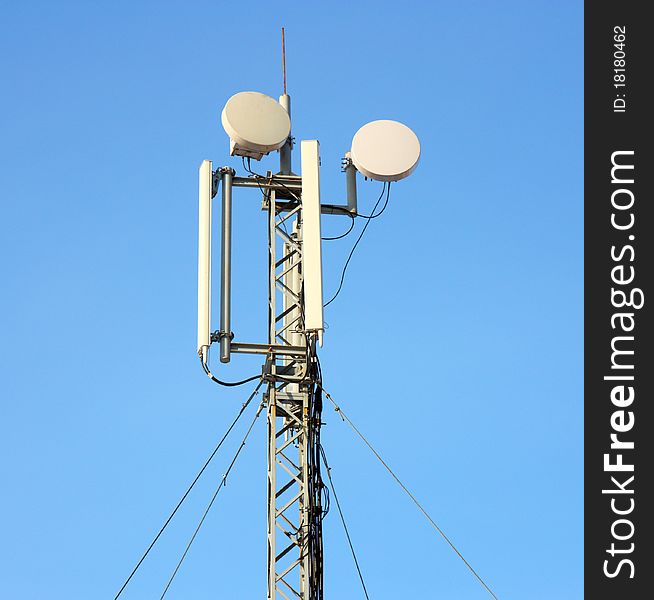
(291, 372)
(387, 151)
(294, 544)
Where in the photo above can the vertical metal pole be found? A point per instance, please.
(296, 338)
(351, 184)
(285, 150)
(272, 490)
(285, 101)
(227, 173)
(272, 407)
(305, 502)
(284, 59)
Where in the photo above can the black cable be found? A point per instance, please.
(188, 491)
(340, 512)
(213, 378)
(347, 211)
(408, 493)
(340, 237)
(206, 512)
(272, 178)
(373, 215)
(315, 510)
(386, 189)
(257, 176)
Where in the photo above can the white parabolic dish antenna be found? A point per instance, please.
(256, 123)
(385, 150)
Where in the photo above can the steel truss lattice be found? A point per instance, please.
(291, 553)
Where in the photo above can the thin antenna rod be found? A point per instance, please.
(284, 60)
(285, 101)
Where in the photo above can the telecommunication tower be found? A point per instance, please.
(381, 150)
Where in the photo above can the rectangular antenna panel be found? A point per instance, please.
(204, 260)
(311, 241)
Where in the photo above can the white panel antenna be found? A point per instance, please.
(204, 261)
(311, 240)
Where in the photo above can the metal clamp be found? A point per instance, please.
(215, 182)
(218, 335)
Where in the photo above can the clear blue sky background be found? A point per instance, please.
(456, 344)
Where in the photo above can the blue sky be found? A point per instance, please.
(455, 345)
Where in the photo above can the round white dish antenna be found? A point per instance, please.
(385, 150)
(255, 123)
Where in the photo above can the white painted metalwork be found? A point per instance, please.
(311, 241)
(204, 261)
